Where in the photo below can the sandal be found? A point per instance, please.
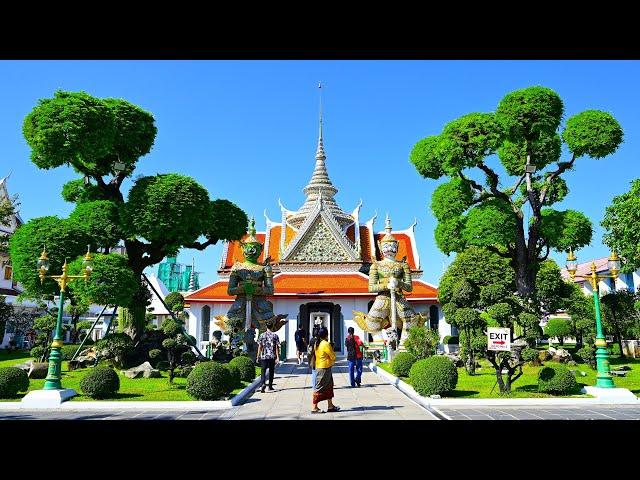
(333, 409)
(317, 411)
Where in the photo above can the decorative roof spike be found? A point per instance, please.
(252, 231)
(387, 236)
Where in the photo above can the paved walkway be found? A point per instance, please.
(586, 412)
(291, 400)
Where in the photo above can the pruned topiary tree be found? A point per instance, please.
(524, 133)
(103, 139)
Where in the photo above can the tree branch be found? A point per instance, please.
(562, 166)
(201, 246)
(495, 250)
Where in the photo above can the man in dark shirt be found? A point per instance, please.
(354, 357)
(301, 343)
(268, 354)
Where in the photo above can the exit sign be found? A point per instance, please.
(499, 339)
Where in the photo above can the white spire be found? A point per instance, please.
(192, 275)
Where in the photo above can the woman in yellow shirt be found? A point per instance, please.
(325, 357)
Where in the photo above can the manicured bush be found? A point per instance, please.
(115, 347)
(101, 382)
(530, 355)
(433, 376)
(155, 353)
(37, 352)
(556, 378)
(451, 340)
(183, 372)
(188, 357)
(402, 363)
(162, 365)
(421, 342)
(67, 351)
(12, 381)
(588, 355)
(615, 349)
(208, 381)
(246, 367)
(236, 376)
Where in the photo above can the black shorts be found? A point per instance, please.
(301, 348)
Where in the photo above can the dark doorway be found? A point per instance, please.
(335, 318)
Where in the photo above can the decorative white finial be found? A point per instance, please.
(387, 224)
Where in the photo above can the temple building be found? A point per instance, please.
(321, 257)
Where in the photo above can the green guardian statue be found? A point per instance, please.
(389, 278)
(251, 282)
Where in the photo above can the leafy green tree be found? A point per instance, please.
(558, 327)
(176, 343)
(5, 314)
(7, 211)
(44, 326)
(621, 219)
(103, 139)
(485, 213)
(175, 302)
(75, 311)
(581, 310)
(477, 291)
(620, 315)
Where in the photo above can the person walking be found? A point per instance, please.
(301, 343)
(325, 357)
(268, 354)
(354, 357)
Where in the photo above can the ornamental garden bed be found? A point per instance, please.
(480, 385)
(138, 389)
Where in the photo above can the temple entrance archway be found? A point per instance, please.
(323, 314)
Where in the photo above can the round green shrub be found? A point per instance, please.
(12, 381)
(162, 365)
(208, 381)
(101, 382)
(402, 363)
(246, 367)
(155, 353)
(530, 355)
(451, 340)
(588, 355)
(67, 351)
(37, 352)
(615, 349)
(188, 357)
(236, 376)
(556, 378)
(433, 376)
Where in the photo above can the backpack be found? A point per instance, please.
(352, 347)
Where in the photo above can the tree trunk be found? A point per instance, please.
(561, 341)
(471, 361)
(132, 320)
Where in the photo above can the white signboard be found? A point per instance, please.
(499, 339)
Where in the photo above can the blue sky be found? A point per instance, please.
(247, 130)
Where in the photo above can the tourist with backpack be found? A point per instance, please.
(268, 354)
(354, 357)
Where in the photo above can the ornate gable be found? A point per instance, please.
(320, 239)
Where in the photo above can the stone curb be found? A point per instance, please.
(488, 402)
(179, 405)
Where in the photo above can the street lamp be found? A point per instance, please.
(53, 382)
(603, 378)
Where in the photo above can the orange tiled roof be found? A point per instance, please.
(234, 252)
(286, 284)
(404, 247)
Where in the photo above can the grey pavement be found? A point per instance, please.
(291, 399)
(586, 412)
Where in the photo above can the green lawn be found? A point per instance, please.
(481, 384)
(138, 389)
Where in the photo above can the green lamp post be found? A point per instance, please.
(53, 380)
(603, 378)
